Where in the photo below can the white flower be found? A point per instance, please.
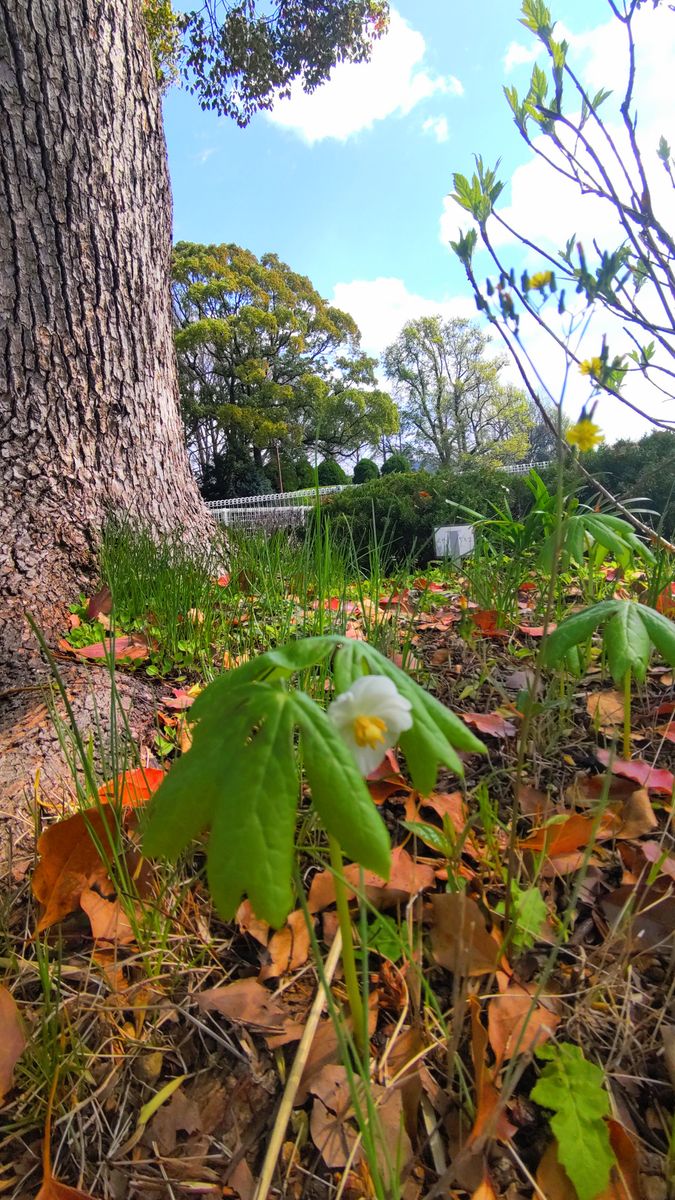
(370, 718)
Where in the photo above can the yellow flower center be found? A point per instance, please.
(368, 731)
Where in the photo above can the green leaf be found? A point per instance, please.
(252, 841)
(528, 913)
(433, 837)
(275, 664)
(574, 1089)
(627, 643)
(661, 630)
(339, 793)
(576, 629)
(240, 777)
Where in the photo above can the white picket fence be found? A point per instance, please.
(275, 510)
(283, 510)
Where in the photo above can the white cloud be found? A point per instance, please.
(382, 306)
(518, 55)
(392, 83)
(547, 209)
(438, 127)
(204, 155)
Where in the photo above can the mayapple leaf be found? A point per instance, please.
(275, 664)
(661, 630)
(627, 644)
(436, 732)
(252, 840)
(573, 1088)
(629, 629)
(576, 629)
(241, 778)
(339, 793)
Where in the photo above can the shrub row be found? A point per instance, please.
(402, 510)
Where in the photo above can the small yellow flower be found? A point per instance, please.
(592, 366)
(585, 435)
(540, 280)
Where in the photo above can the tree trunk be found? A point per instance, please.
(89, 413)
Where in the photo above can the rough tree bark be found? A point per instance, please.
(89, 416)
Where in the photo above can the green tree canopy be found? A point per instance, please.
(265, 362)
(238, 56)
(364, 470)
(452, 402)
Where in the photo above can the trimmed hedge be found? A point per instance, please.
(645, 468)
(405, 509)
(365, 470)
(396, 464)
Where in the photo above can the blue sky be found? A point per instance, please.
(348, 185)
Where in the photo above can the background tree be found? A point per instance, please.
(331, 473)
(450, 397)
(266, 364)
(364, 470)
(619, 285)
(89, 413)
(396, 464)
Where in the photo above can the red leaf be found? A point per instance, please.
(486, 621)
(132, 788)
(537, 631)
(130, 648)
(101, 602)
(653, 779)
(666, 601)
(492, 723)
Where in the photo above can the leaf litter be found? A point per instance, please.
(217, 1029)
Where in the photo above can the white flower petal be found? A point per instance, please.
(375, 697)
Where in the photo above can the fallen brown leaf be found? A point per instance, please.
(70, 863)
(245, 1002)
(12, 1039)
(511, 1025)
(407, 878)
(606, 710)
(459, 939)
(180, 1115)
(249, 923)
(288, 948)
(109, 922)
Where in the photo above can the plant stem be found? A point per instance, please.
(626, 714)
(348, 958)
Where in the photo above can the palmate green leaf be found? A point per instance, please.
(436, 732)
(339, 793)
(252, 840)
(241, 778)
(275, 664)
(573, 1088)
(627, 643)
(576, 629)
(661, 630)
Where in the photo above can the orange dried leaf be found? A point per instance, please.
(133, 788)
(70, 863)
(53, 1190)
(12, 1039)
(288, 947)
(109, 922)
(514, 1025)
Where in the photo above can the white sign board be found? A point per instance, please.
(453, 541)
